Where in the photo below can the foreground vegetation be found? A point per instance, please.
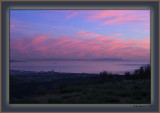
(103, 88)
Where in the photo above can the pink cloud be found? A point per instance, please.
(146, 40)
(40, 39)
(105, 14)
(21, 23)
(83, 33)
(120, 16)
(57, 27)
(122, 20)
(15, 30)
(15, 21)
(72, 15)
(44, 46)
(97, 36)
(42, 25)
(101, 38)
(19, 28)
(12, 26)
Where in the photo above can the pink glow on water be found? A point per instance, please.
(78, 66)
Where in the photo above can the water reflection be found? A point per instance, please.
(77, 66)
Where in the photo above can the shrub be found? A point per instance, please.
(71, 89)
(28, 101)
(137, 97)
(104, 74)
(143, 73)
(127, 75)
(66, 96)
(53, 100)
(42, 92)
(125, 94)
(110, 99)
(62, 86)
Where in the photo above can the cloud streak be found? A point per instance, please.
(80, 34)
(44, 46)
(120, 16)
(72, 15)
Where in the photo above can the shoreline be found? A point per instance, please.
(12, 71)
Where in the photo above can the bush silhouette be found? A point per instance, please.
(144, 72)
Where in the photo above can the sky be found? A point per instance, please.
(80, 34)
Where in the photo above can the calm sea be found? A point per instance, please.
(78, 66)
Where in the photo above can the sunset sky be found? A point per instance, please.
(80, 34)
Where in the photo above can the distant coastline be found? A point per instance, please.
(117, 66)
(63, 59)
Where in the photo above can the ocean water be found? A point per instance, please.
(118, 67)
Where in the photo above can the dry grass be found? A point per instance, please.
(137, 91)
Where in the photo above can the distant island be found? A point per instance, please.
(63, 59)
